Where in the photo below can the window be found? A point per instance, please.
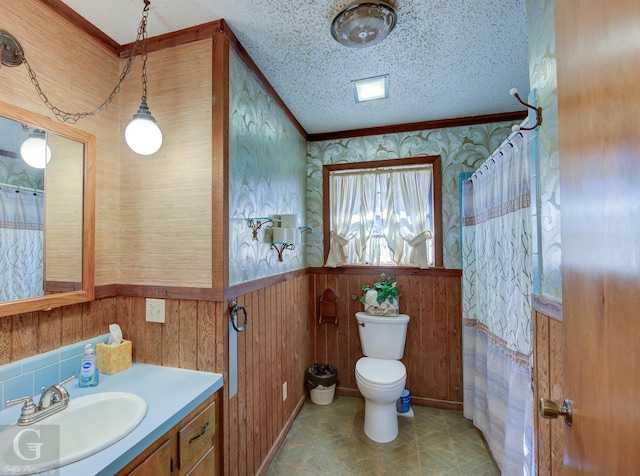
(383, 213)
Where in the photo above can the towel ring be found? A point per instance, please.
(234, 307)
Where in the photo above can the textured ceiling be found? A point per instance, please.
(445, 58)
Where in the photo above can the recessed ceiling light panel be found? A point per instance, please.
(371, 89)
(363, 24)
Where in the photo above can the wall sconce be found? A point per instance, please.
(142, 134)
(34, 150)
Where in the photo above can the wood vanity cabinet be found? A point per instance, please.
(191, 448)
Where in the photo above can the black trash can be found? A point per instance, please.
(321, 380)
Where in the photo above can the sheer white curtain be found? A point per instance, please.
(381, 216)
(497, 286)
(21, 238)
(410, 235)
(375, 230)
(345, 191)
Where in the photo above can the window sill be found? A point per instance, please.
(393, 270)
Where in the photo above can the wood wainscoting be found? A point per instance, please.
(547, 373)
(433, 351)
(272, 350)
(31, 333)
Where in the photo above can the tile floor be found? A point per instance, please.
(329, 440)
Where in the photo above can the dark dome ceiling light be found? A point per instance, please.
(363, 24)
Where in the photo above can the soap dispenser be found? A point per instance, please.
(89, 374)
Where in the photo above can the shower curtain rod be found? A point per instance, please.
(484, 164)
(18, 188)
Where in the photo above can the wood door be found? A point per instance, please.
(598, 61)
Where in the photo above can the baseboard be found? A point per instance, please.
(262, 470)
(348, 392)
(433, 403)
(419, 401)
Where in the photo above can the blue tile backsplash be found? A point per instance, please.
(25, 377)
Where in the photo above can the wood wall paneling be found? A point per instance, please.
(433, 351)
(557, 394)
(547, 338)
(219, 133)
(28, 334)
(271, 351)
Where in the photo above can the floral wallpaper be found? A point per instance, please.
(14, 170)
(542, 73)
(266, 177)
(462, 149)
(18, 172)
(267, 167)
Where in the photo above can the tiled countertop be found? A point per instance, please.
(170, 393)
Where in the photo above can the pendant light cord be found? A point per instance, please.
(142, 33)
(73, 117)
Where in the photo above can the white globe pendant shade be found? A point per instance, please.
(143, 135)
(35, 151)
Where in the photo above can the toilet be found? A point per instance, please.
(380, 375)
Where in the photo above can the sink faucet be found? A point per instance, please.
(52, 399)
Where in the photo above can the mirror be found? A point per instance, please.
(47, 215)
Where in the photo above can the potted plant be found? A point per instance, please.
(381, 297)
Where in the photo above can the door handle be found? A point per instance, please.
(549, 409)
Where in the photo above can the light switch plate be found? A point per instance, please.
(155, 310)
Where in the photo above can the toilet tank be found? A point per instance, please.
(382, 337)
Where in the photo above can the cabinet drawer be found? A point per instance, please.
(206, 466)
(157, 464)
(196, 437)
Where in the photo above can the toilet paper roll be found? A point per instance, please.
(288, 221)
(290, 235)
(279, 235)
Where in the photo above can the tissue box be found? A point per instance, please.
(114, 358)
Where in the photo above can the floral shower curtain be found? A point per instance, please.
(21, 240)
(497, 286)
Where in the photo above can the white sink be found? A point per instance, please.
(88, 425)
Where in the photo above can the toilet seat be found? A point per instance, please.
(381, 373)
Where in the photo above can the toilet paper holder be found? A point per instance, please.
(234, 307)
(327, 307)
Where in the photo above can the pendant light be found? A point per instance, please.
(142, 135)
(35, 151)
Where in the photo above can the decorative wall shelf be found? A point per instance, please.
(255, 223)
(286, 239)
(280, 247)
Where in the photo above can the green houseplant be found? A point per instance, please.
(381, 298)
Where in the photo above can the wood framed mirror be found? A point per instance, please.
(64, 229)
